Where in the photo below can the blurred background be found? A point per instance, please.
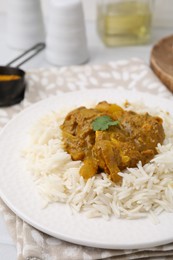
(163, 12)
(130, 28)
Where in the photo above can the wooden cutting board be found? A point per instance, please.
(161, 61)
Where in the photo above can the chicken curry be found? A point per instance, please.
(110, 139)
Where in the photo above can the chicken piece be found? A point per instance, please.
(89, 168)
(113, 110)
(77, 132)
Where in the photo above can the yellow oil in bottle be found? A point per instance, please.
(124, 23)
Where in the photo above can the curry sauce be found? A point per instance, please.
(134, 138)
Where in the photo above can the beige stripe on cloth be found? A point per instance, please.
(131, 74)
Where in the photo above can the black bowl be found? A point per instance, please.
(12, 91)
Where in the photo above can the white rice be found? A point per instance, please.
(145, 191)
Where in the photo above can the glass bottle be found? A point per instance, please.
(124, 22)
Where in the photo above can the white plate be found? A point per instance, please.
(18, 190)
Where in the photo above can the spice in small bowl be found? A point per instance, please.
(12, 86)
(9, 77)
